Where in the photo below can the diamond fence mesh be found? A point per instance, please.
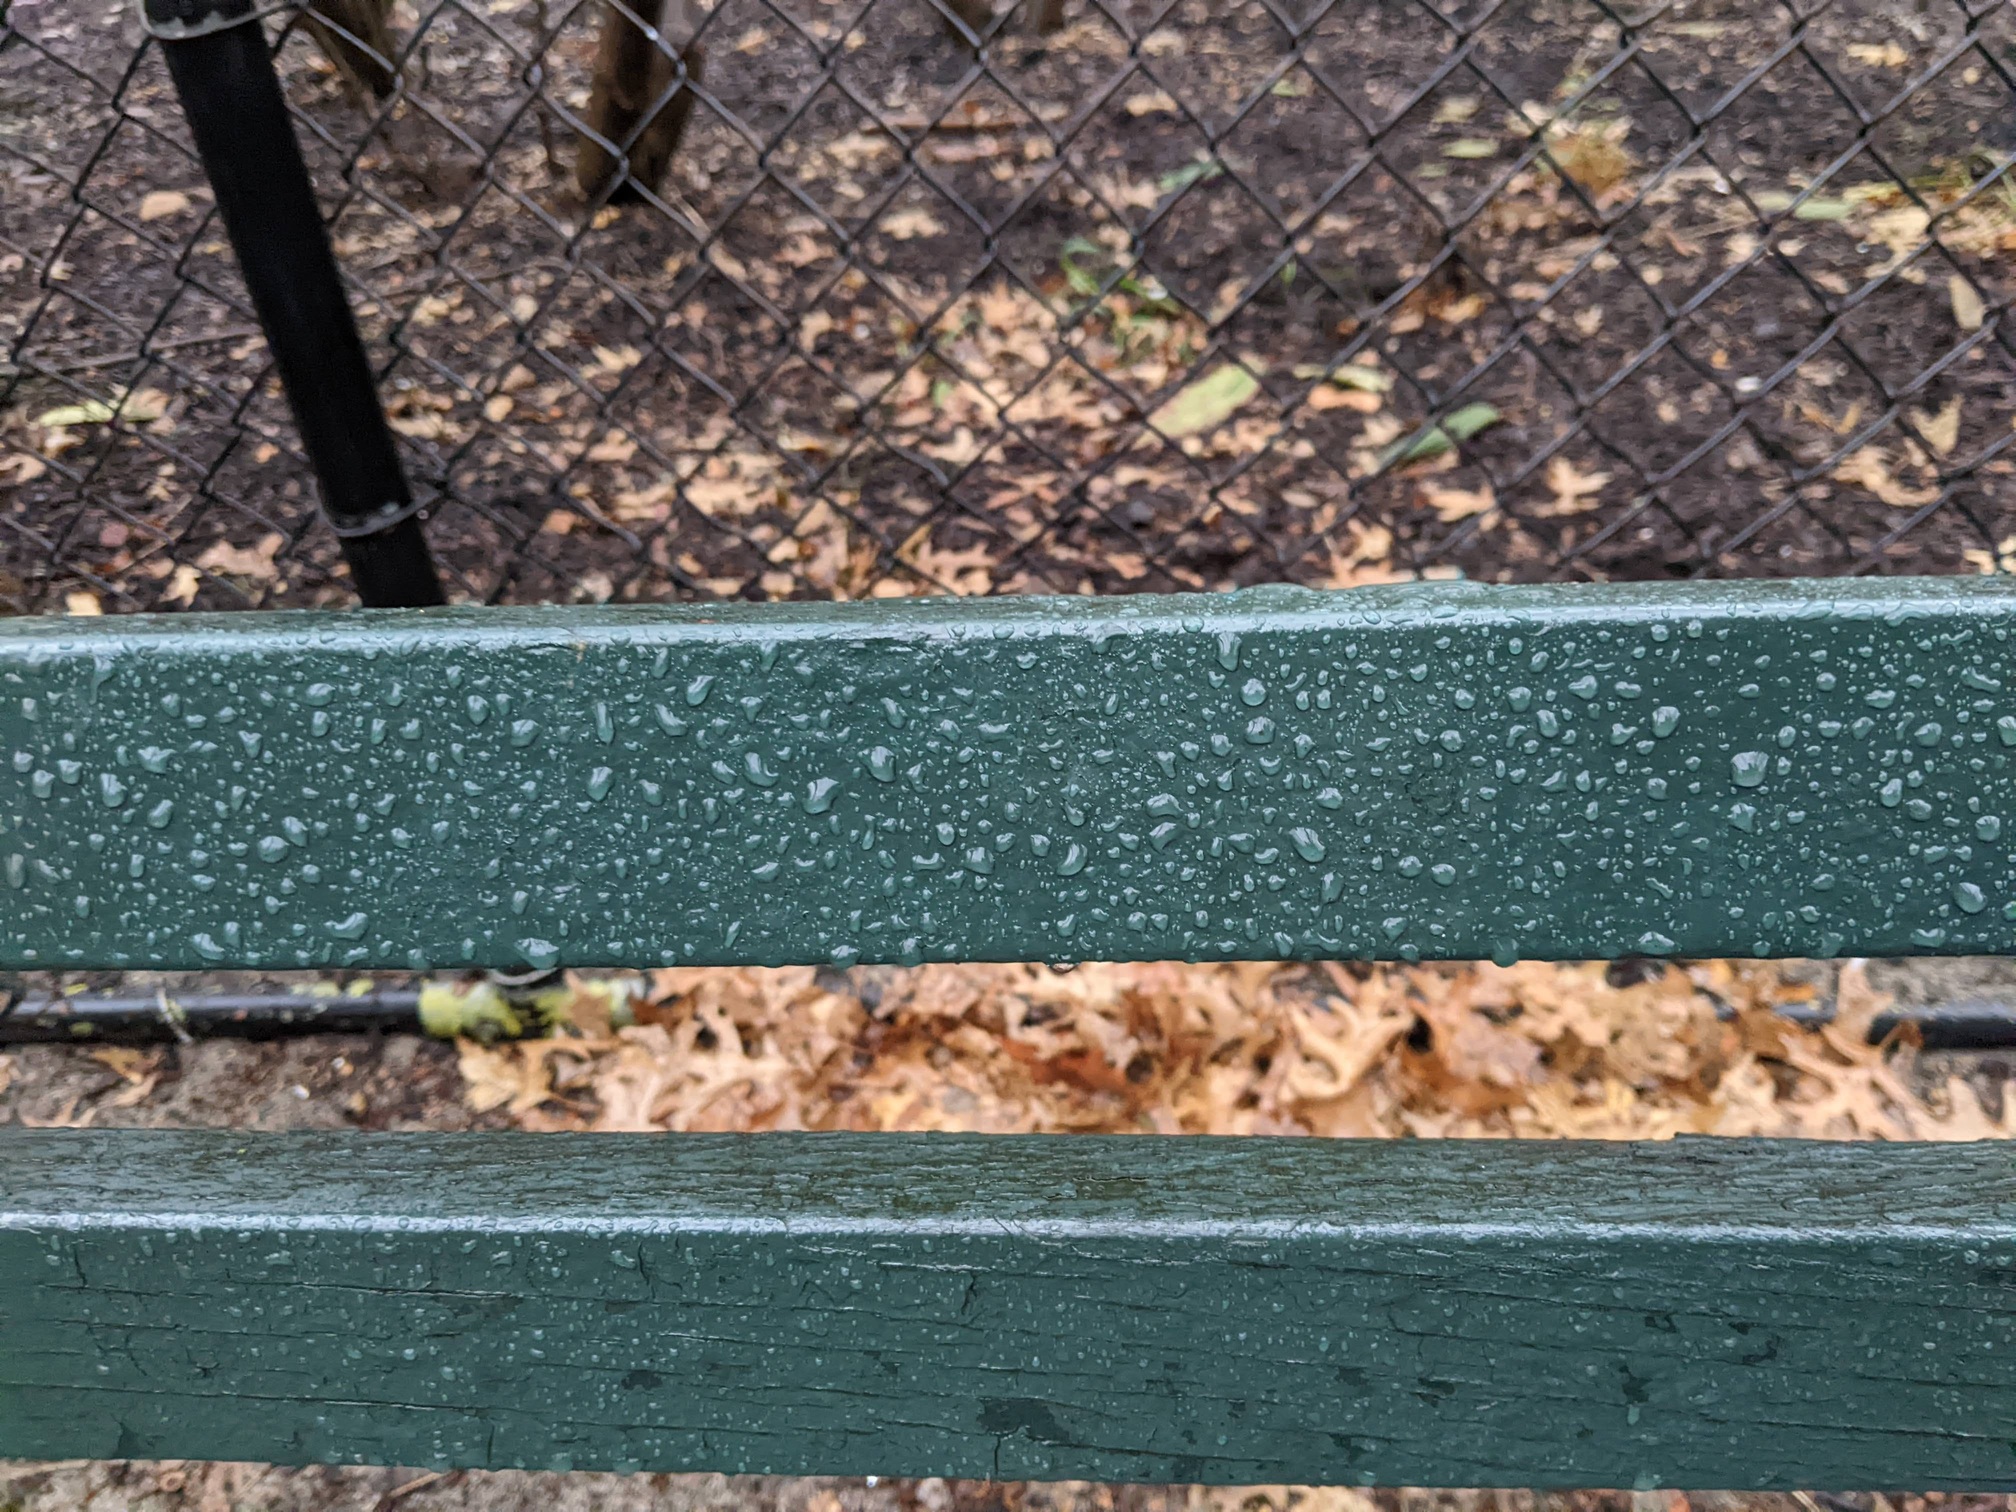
(1141, 295)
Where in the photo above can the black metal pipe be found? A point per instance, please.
(1951, 1026)
(223, 73)
(128, 1019)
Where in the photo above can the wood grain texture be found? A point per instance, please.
(1439, 771)
(1706, 1313)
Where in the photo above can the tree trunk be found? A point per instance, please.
(976, 14)
(634, 68)
(357, 37)
(1046, 16)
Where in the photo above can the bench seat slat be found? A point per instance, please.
(1438, 771)
(1733, 1314)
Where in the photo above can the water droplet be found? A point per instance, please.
(882, 764)
(111, 791)
(1584, 686)
(1260, 731)
(598, 783)
(1892, 792)
(1969, 898)
(541, 955)
(1442, 874)
(350, 928)
(1928, 733)
(1073, 861)
(605, 725)
(1410, 866)
(154, 759)
(696, 690)
(819, 796)
(1521, 699)
(1254, 693)
(1451, 740)
(1308, 844)
(523, 731)
(1228, 651)
(1988, 827)
(1665, 720)
(1747, 769)
(759, 773)
(272, 848)
(1654, 943)
(478, 707)
(2005, 729)
(1394, 927)
(318, 695)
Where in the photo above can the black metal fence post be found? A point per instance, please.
(223, 73)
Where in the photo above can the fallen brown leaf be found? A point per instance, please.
(1869, 469)
(1454, 504)
(242, 561)
(1940, 427)
(1575, 491)
(1969, 313)
(162, 203)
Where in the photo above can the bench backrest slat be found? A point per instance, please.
(1436, 771)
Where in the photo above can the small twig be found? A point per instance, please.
(181, 343)
(398, 1493)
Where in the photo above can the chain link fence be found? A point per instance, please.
(1169, 296)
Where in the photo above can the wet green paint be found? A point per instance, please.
(1437, 771)
(1707, 1313)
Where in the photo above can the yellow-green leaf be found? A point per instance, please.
(1366, 380)
(1207, 402)
(1471, 147)
(1352, 375)
(1426, 444)
(90, 412)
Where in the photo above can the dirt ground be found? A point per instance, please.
(1164, 301)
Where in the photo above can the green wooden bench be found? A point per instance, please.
(1434, 772)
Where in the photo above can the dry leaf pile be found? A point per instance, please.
(1533, 1050)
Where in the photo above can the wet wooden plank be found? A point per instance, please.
(1722, 1314)
(1445, 770)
